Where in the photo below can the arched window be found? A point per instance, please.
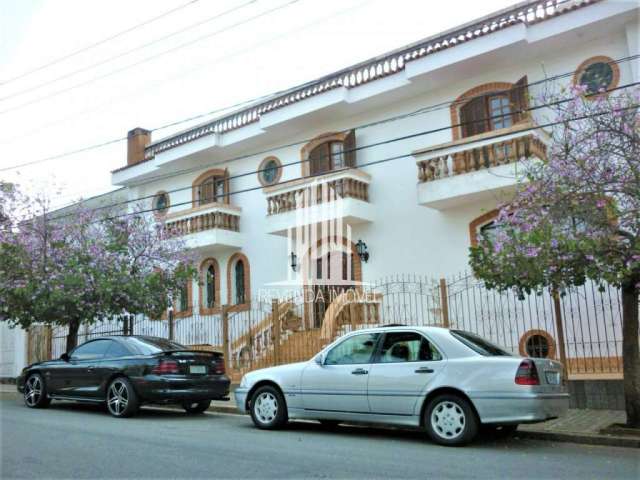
(239, 293)
(211, 187)
(329, 152)
(210, 300)
(238, 281)
(483, 225)
(210, 287)
(490, 107)
(182, 303)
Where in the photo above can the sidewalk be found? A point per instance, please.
(577, 426)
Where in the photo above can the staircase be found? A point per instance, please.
(255, 349)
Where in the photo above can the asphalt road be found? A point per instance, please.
(74, 441)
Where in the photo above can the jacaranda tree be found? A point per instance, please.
(576, 216)
(83, 266)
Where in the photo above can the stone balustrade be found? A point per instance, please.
(461, 157)
(202, 219)
(348, 183)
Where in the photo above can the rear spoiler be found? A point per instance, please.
(206, 352)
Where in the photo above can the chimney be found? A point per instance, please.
(137, 140)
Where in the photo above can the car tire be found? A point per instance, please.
(268, 408)
(195, 408)
(122, 400)
(450, 420)
(35, 392)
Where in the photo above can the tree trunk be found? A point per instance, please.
(72, 336)
(631, 352)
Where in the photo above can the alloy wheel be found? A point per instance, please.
(33, 391)
(117, 397)
(266, 407)
(448, 420)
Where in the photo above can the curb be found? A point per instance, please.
(583, 438)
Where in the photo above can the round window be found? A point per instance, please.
(270, 170)
(161, 203)
(537, 346)
(597, 74)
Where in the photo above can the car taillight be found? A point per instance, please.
(527, 373)
(166, 367)
(218, 366)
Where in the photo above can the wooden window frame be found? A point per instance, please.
(517, 93)
(551, 342)
(348, 141)
(201, 179)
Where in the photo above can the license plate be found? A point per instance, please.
(553, 378)
(199, 369)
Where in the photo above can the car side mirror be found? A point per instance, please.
(64, 357)
(319, 359)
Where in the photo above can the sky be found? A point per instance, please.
(204, 55)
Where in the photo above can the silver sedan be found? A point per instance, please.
(449, 382)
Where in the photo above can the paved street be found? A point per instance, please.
(71, 441)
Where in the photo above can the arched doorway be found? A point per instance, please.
(333, 267)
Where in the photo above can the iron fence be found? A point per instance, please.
(582, 326)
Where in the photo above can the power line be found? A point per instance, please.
(234, 53)
(98, 43)
(422, 110)
(120, 55)
(146, 59)
(385, 142)
(371, 163)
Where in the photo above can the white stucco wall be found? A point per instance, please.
(13, 350)
(405, 237)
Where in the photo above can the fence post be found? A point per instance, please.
(275, 330)
(125, 325)
(131, 323)
(225, 338)
(444, 303)
(560, 332)
(171, 324)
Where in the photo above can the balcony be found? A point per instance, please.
(208, 227)
(462, 172)
(338, 196)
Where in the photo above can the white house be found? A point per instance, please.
(415, 200)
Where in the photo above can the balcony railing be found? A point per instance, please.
(303, 193)
(206, 217)
(462, 156)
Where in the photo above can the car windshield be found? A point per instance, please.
(151, 345)
(479, 344)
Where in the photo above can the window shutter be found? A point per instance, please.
(226, 185)
(349, 146)
(519, 98)
(473, 117)
(319, 159)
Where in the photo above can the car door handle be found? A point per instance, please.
(360, 371)
(424, 370)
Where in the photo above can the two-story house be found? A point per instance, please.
(419, 145)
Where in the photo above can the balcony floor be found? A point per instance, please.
(493, 183)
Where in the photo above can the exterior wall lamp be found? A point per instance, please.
(361, 249)
(294, 262)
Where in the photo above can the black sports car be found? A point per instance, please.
(125, 372)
